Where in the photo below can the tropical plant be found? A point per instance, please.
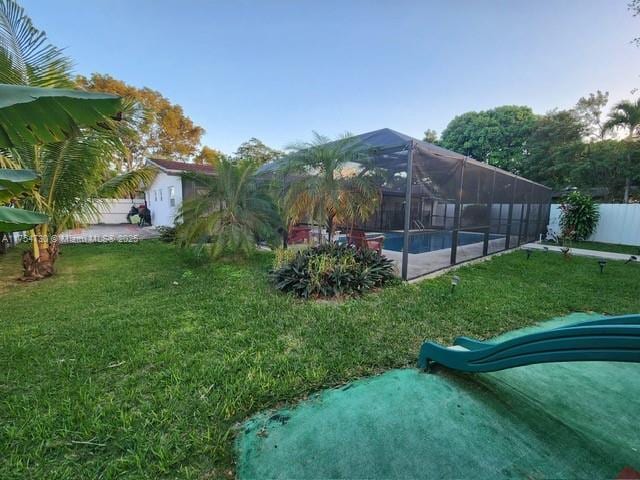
(332, 182)
(579, 216)
(16, 184)
(625, 115)
(233, 212)
(45, 130)
(332, 270)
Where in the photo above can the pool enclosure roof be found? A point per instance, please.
(389, 149)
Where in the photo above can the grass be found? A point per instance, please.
(133, 363)
(604, 247)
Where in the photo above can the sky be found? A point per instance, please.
(280, 69)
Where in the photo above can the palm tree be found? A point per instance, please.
(626, 115)
(333, 182)
(232, 213)
(43, 128)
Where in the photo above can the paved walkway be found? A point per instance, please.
(123, 233)
(562, 420)
(581, 252)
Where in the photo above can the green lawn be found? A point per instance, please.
(133, 363)
(604, 247)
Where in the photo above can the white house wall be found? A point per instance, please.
(114, 211)
(158, 200)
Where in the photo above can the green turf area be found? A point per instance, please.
(570, 420)
(133, 363)
(603, 247)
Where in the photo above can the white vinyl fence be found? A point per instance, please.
(115, 211)
(619, 223)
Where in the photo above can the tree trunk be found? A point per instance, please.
(330, 227)
(38, 262)
(627, 185)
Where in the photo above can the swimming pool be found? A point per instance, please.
(420, 242)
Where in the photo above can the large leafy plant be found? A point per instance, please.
(66, 138)
(579, 216)
(332, 270)
(332, 182)
(231, 213)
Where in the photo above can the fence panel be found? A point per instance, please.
(619, 223)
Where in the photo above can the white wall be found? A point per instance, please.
(158, 201)
(619, 223)
(114, 211)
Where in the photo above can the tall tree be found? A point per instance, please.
(159, 128)
(554, 149)
(589, 111)
(497, 136)
(209, 156)
(608, 163)
(626, 115)
(430, 136)
(256, 151)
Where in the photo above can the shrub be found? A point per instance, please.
(283, 256)
(579, 216)
(167, 234)
(333, 270)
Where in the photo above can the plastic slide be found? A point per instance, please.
(612, 339)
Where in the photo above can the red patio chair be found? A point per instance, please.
(359, 239)
(299, 234)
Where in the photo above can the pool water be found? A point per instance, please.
(421, 242)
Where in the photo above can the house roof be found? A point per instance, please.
(176, 168)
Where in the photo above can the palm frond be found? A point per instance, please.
(235, 211)
(26, 57)
(127, 184)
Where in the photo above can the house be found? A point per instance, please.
(169, 188)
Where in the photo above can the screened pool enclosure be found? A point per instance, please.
(438, 208)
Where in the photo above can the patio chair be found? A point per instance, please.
(299, 234)
(613, 339)
(359, 239)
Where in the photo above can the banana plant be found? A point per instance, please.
(15, 184)
(66, 138)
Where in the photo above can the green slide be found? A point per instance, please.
(613, 339)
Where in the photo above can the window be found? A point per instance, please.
(172, 196)
(155, 195)
(160, 194)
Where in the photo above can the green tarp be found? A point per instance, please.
(565, 420)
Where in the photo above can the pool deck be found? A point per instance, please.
(427, 262)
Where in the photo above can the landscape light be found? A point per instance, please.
(546, 249)
(602, 262)
(528, 251)
(632, 258)
(455, 280)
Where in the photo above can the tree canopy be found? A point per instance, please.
(554, 149)
(577, 147)
(209, 156)
(497, 136)
(256, 151)
(159, 127)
